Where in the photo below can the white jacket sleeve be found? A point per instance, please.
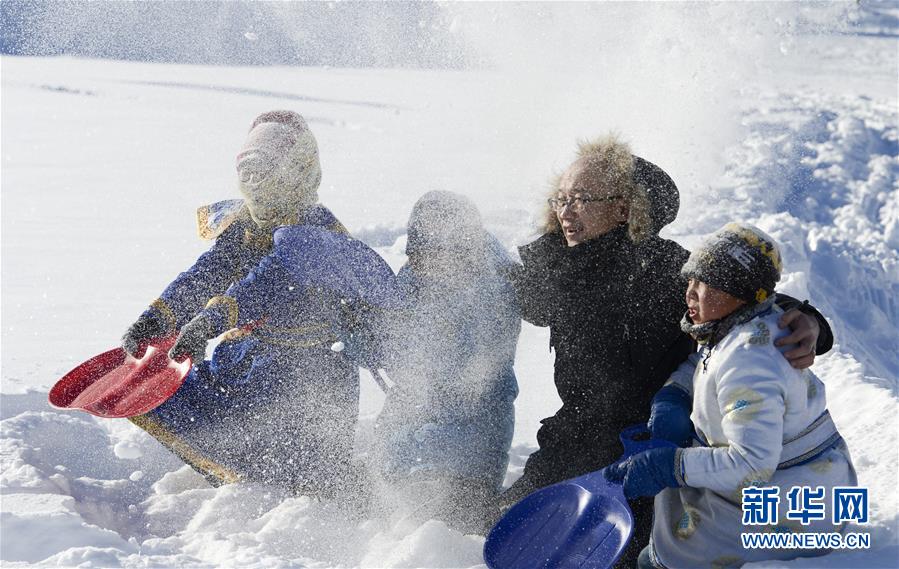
(751, 396)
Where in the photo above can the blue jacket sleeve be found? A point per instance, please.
(252, 298)
(304, 258)
(209, 276)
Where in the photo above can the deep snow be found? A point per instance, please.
(104, 163)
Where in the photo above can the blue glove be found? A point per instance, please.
(646, 473)
(670, 416)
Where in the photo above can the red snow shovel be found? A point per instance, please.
(115, 385)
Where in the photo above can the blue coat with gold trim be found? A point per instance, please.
(276, 403)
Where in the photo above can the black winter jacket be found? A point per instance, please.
(613, 308)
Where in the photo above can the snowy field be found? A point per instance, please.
(755, 112)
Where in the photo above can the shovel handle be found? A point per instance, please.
(637, 439)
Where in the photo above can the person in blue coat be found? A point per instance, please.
(286, 288)
(446, 425)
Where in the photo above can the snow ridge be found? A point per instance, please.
(821, 174)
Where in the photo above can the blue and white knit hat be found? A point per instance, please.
(739, 259)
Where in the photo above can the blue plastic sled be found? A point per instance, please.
(580, 523)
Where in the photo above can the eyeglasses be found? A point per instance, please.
(578, 203)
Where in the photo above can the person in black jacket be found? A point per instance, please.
(611, 292)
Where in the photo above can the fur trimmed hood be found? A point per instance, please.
(652, 194)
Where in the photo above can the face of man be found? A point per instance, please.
(267, 199)
(705, 304)
(586, 206)
(261, 170)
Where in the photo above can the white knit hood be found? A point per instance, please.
(278, 167)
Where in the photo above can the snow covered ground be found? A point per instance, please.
(771, 117)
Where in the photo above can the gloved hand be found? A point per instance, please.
(670, 416)
(148, 327)
(646, 473)
(192, 340)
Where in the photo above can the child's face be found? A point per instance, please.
(705, 303)
(439, 262)
(457, 265)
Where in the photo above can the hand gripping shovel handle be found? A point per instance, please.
(636, 439)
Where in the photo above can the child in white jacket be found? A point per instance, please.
(758, 421)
